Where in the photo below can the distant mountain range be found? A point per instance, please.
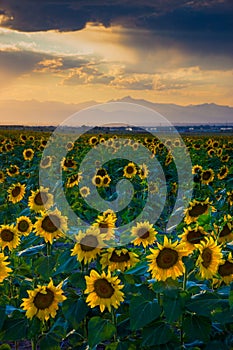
(34, 112)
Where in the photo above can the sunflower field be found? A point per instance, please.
(78, 287)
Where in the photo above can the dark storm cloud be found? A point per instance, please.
(195, 25)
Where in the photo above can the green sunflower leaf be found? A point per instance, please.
(99, 330)
(142, 312)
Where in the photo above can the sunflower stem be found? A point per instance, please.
(114, 323)
(185, 280)
(48, 249)
(33, 344)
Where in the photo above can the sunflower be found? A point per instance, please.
(101, 172)
(84, 191)
(166, 260)
(195, 209)
(28, 154)
(169, 159)
(69, 145)
(106, 223)
(153, 187)
(46, 162)
(97, 180)
(225, 232)
(104, 290)
(130, 170)
(223, 172)
(93, 141)
(88, 245)
(40, 199)
(211, 152)
(121, 259)
(225, 270)
(4, 269)
(13, 170)
(16, 192)
(43, 301)
(144, 232)
(207, 176)
(51, 225)
(143, 171)
(196, 169)
(73, 180)
(24, 225)
(2, 177)
(192, 236)
(9, 237)
(230, 197)
(68, 163)
(106, 180)
(23, 138)
(225, 158)
(209, 258)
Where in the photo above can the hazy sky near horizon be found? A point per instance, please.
(165, 51)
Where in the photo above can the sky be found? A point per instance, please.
(73, 51)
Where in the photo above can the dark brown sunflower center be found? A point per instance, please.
(69, 163)
(142, 233)
(105, 180)
(130, 169)
(41, 198)
(13, 170)
(198, 209)
(88, 243)
(167, 258)
(119, 258)
(97, 180)
(73, 178)
(43, 301)
(45, 161)
(101, 172)
(103, 288)
(225, 231)
(226, 269)
(51, 223)
(28, 154)
(1, 176)
(23, 226)
(206, 175)
(207, 257)
(194, 237)
(7, 235)
(16, 191)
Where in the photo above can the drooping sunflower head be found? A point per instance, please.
(28, 154)
(225, 230)
(225, 271)
(103, 290)
(73, 180)
(51, 225)
(16, 192)
(106, 223)
(13, 170)
(89, 245)
(143, 171)
(40, 199)
(24, 225)
(192, 236)
(207, 176)
(166, 260)
(68, 163)
(130, 170)
(210, 256)
(143, 233)
(43, 301)
(9, 237)
(195, 209)
(223, 172)
(121, 259)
